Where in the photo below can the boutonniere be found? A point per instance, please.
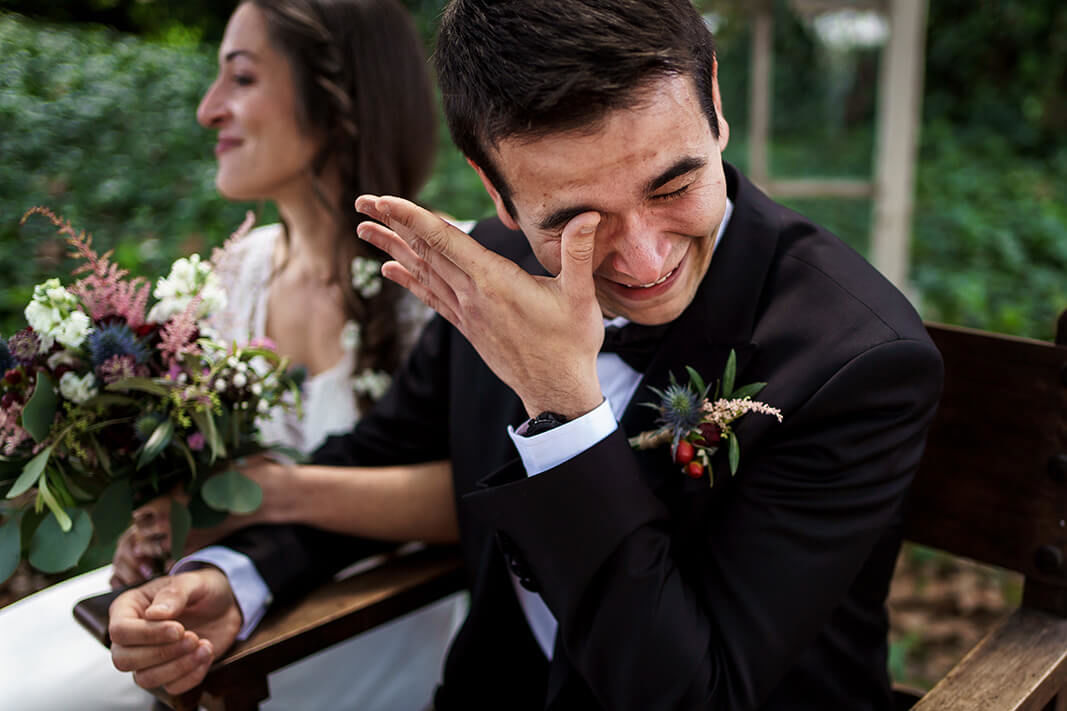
(696, 425)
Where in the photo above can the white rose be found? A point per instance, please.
(74, 330)
(77, 389)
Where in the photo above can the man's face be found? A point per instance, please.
(653, 173)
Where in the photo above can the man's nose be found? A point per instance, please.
(639, 251)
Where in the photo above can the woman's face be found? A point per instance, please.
(262, 151)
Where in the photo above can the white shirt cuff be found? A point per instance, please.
(252, 594)
(560, 444)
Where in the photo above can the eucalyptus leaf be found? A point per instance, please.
(180, 523)
(232, 491)
(202, 515)
(46, 495)
(30, 473)
(697, 381)
(113, 510)
(40, 409)
(205, 422)
(145, 385)
(734, 454)
(750, 390)
(10, 545)
(156, 442)
(728, 375)
(52, 550)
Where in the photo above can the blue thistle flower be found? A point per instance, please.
(7, 361)
(115, 339)
(679, 408)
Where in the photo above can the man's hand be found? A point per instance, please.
(539, 335)
(168, 631)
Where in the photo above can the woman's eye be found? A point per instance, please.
(243, 80)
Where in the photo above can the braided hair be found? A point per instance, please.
(361, 81)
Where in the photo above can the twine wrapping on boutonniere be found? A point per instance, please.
(695, 425)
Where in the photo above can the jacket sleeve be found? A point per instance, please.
(405, 427)
(657, 614)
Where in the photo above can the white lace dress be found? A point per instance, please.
(47, 660)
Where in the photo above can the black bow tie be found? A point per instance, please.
(634, 343)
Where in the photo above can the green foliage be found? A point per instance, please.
(990, 247)
(100, 127)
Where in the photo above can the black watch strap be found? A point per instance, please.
(542, 423)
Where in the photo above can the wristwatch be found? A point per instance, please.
(542, 423)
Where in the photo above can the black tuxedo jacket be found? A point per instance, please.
(765, 591)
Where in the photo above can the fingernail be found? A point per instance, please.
(160, 607)
(587, 228)
(203, 654)
(189, 644)
(174, 634)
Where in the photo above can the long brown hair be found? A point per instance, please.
(361, 81)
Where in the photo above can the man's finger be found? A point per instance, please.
(178, 675)
(440, 276)
(397, 273)
(577, 248)
(136, 658)
(412, 222)
(132, 632)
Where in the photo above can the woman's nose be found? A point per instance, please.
(211, 111)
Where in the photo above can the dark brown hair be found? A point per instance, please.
(526, 68)
(361, 82)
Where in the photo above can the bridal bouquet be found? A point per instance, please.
(106, 402)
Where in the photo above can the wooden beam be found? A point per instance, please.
(759, 97)
(899, 115)
(819, 188)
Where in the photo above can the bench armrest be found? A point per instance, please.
(1018, 666)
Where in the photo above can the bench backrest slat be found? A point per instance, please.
(990, 486)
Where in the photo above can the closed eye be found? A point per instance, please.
(672, 194)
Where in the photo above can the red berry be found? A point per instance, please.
(683, 454)
(694, 470)
(13, 377)
(710, 433)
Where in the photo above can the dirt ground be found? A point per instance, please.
(939, 608)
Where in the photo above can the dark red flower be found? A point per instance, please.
(710, 433)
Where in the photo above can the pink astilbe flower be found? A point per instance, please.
(219, 253)
(11, 433)
(103, 291)
(178, 336)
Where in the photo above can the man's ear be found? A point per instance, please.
(716, 98)
(501, 208)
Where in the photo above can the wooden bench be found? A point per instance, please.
(992, 487)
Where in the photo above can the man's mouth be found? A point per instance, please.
(651, 284)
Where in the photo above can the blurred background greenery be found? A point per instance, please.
(97, 101)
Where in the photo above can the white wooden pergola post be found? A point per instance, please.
(899, 117)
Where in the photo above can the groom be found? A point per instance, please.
(600, 576)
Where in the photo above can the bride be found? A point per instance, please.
(316, 102)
